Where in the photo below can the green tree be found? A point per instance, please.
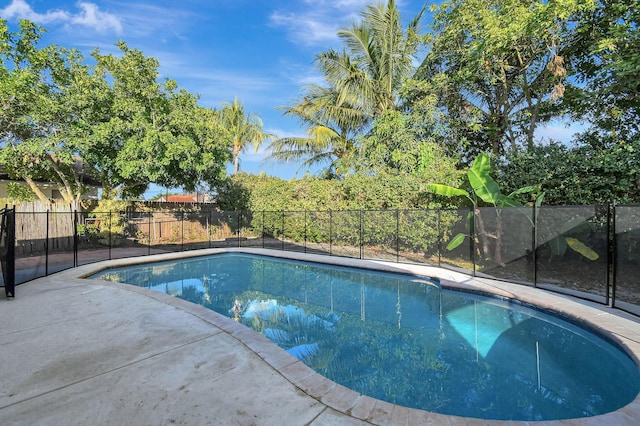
(552, 165)
(244, 192)
(484, 189)
(62, 118)
(356, 191)
(603, 56)
(582, 174)
(363, 82)
(408, 142)
(378, 56)
(499, 68)
(17, 192)
(140, 131)
(242, 128)
(332, 126)
(34, 118)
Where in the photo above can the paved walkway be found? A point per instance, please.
(81, 352)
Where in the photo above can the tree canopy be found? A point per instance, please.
(363, 83)
(492, 74)
(35, 118)
(398, 102)
(241, 128)
(499, 68)
(114, 120)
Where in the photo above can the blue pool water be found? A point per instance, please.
(405, 340)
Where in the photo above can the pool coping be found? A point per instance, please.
(618, 326)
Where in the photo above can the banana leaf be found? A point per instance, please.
(447, 191)
(456, 241)
(524, 190)
(507, 201)
(580, 247)
(482, 183)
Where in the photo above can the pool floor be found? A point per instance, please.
(80, 352)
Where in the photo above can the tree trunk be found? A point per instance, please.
(67, 192)
(236, 158)
(37, 190)
(497, 256)
(79, 186)
(483, 240)
(236, 165)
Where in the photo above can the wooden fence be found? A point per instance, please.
(37, 221)
(48, 227)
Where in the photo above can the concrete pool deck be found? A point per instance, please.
(88, 352)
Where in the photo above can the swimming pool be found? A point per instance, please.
(405, 340)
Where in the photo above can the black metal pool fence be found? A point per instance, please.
(592, 252)
(7, 250)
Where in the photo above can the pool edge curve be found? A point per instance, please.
(620, 328)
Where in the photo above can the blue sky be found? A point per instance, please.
(261, 51)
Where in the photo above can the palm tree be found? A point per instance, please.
(378, 56)
(243, 129)
(363, 81)
(331, 129)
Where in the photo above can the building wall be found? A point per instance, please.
(51, 190)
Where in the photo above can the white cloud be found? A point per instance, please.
(319, 22)
(217, 85)
(147, 18)
(89, 16)
(308, 29)
(310, 77)
(338, 4)
(316, 22)
(19, 9)
(287, 133)
(299, 74)
(232, 78)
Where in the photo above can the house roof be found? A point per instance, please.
(187, 198)
(199, 197)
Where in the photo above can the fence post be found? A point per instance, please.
(11, 252)
(397, 235)
(439, 237)
(282, 235)
(330, 231)
(611, 253)
(182, 230)
(472, 233)
(239, 227)
(149, 228)
(305, 230)
(209, 221)
(8, 259)
(109, 233)
(46, 247)
(75, 238)
(534, 249)
(361, 234)
(262, 228)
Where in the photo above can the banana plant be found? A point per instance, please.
(485, 189)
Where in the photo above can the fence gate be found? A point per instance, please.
(7, 249)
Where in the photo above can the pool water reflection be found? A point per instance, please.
(405, 340)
